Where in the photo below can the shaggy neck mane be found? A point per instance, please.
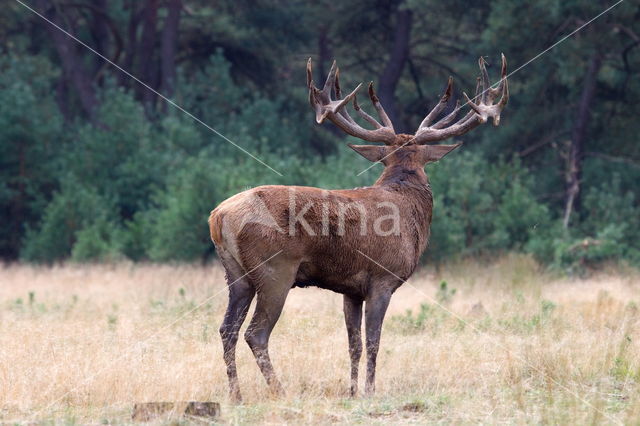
(403, 176)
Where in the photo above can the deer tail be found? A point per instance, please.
(215, 227)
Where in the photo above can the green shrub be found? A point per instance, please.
(608, 230)
(96, 242)
(480, 206)
(77, 221)
(179, 224)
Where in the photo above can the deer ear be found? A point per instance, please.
(432, 153)
(370, 152)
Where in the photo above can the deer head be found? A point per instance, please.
(408, 151)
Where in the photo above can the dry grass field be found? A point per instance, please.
(503, 342)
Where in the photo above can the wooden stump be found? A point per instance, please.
(145, 411)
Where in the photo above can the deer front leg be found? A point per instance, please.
(376, 307)
(353, 320)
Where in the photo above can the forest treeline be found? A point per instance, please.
(95, 166)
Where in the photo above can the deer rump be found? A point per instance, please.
(324, 232)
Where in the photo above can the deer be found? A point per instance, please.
(363, 243)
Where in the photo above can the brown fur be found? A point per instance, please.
(252, 226)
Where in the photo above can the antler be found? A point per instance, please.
(479, 113)
(336, 112)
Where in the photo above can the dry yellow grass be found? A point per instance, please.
(81, 344)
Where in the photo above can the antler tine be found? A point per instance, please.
(481, 110)
(486, 84)
(336, 84)
(478, 88)
(338, 92)
(329, 83)
(381, 112)
(441, 105)
(504, 84)
(494, 92)
(359, 110)
(448, 119)
(309, 75)
(474, 106)
(335, 110)
(364, 115)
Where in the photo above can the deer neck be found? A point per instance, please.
(413, 185)
(401, 177)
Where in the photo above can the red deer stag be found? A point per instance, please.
(363, 242)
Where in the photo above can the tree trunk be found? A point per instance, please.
(131, 45)
(169, 46)
(578, 132)
(100, 30)
(393, 70)
(147, 72)
(73, 67)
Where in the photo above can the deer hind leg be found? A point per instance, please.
(273, 284)
(241, 294)
(376, 307)
(353, 320)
